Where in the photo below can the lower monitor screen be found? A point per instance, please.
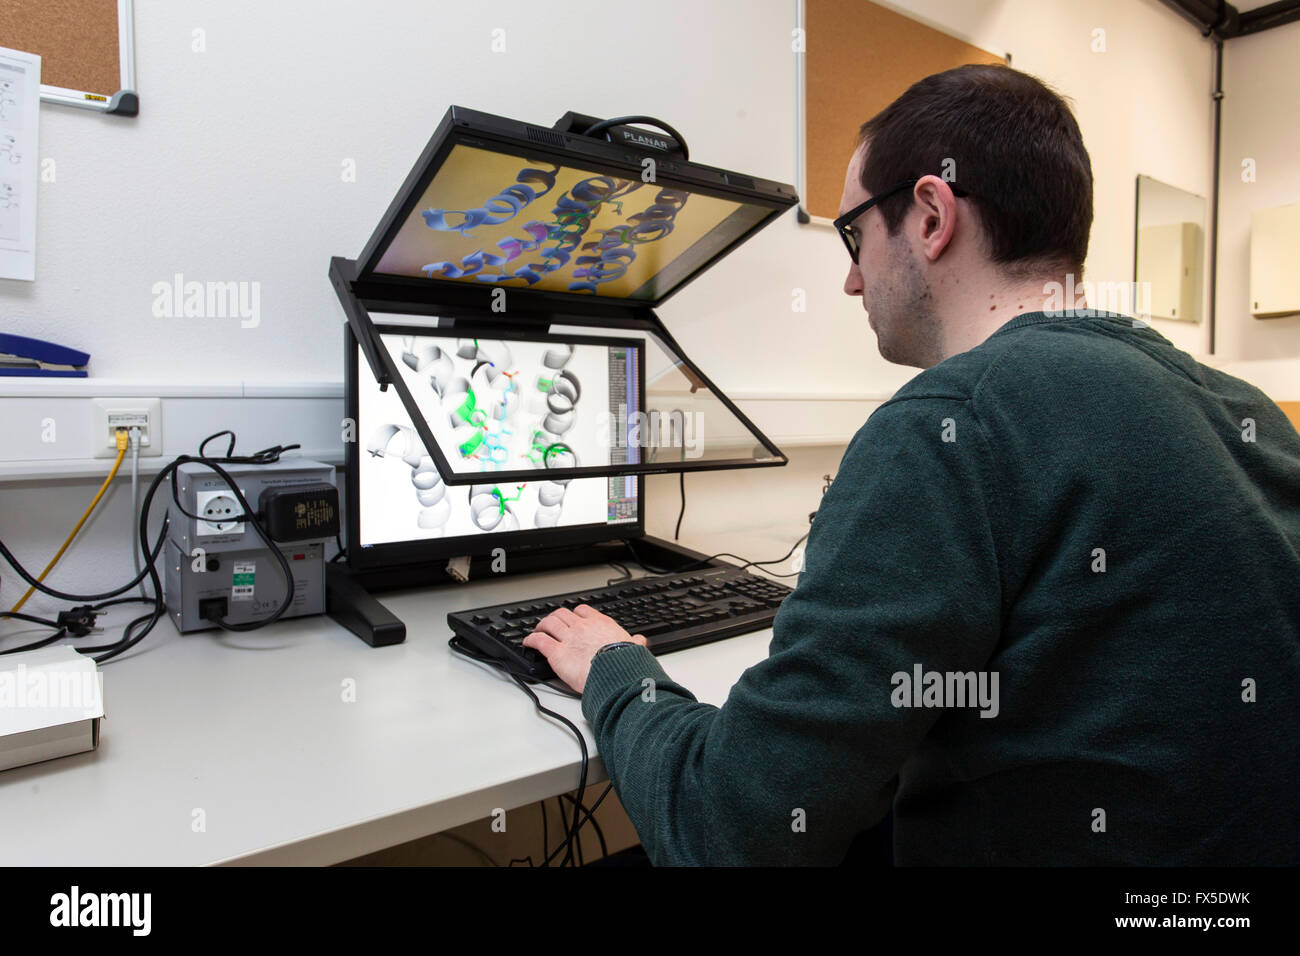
(403, 499)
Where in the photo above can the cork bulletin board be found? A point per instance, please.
(1292, 411)
(859, 56)
(86, 49)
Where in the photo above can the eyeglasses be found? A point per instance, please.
(843, 225)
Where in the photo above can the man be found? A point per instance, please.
(1050, 612)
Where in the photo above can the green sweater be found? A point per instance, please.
(1076, 506)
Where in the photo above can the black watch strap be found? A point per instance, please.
(610, 647)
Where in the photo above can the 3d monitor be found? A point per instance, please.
(503, 227)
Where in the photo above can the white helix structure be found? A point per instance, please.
(561, 411)
(430, 491)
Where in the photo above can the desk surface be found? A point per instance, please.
(250, 733)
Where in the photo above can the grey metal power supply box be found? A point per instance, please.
(223, 566)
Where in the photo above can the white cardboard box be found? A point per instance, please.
(51, 703)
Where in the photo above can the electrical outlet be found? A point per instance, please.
(111, 414)
(215, 505)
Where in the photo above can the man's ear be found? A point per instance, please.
(939, 211)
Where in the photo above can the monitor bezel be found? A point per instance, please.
(484, 130)
(426, 550)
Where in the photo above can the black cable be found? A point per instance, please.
(20, 616)
(577, 834)
(546, 837)
(65, 596)
(784, 557)
(125, 631)
(721, 554)
(582, 777)
(36, 645)
(636, 559)
(264, 457)
(627, 575)
(63, 631)
(146, 622)
(256, 525)
(681, 478)
(130, 600)
(128, 641)
(572, 831)
(59, 631)
(589, 817)
(601, 799)
(230, 449)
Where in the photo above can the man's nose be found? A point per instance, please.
(853, 281)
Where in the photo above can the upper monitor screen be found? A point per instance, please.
(492, 218)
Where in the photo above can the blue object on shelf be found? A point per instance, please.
(20, 355)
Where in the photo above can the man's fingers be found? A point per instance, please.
(541, 642)
(586, 610)
(557, 622)
(640, 639)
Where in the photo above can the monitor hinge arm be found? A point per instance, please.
(341, 275)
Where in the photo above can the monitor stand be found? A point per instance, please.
(349, 594)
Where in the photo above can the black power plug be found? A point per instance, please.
(78, 621)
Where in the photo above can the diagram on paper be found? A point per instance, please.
(19, 114)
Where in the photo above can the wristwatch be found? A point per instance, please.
(610, 647)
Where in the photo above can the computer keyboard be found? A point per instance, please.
(672, 611)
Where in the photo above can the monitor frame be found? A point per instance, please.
(446, 302)
(499, 134)
(428, 550)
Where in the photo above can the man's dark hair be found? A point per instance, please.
(1007, 138)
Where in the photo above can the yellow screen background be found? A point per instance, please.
(470, 177)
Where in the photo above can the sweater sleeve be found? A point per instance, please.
(900, 570)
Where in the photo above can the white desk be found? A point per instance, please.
(252, 729)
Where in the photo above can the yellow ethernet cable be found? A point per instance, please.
(121, 453)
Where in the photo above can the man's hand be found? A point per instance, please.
(569, 640)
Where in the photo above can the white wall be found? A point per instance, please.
(233, 172)
(233, 169)
(1260, 108)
